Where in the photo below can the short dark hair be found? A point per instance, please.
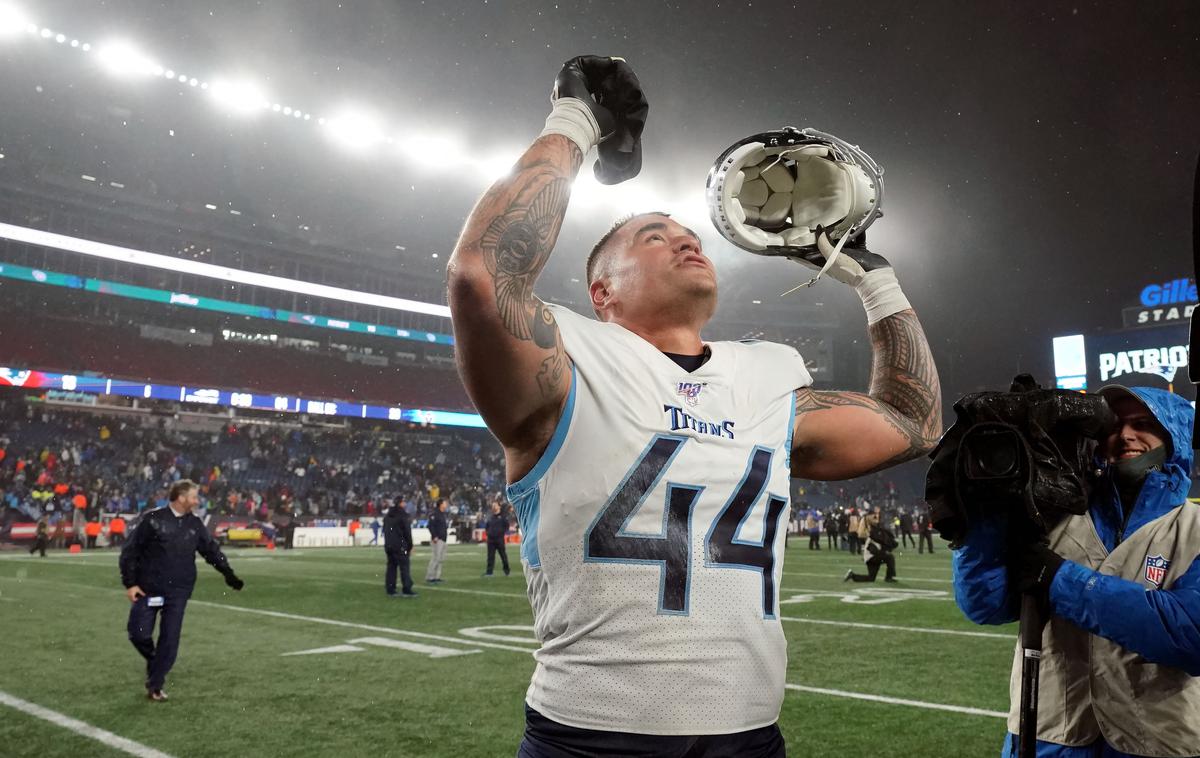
(598, 250)
(440, 500)
(181, 488)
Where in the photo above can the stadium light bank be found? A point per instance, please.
(224, 273)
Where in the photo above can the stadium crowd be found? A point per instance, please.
(72, 466)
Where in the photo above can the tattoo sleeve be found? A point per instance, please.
(507, 242)
(905, 390)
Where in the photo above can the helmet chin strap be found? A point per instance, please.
(830, 257)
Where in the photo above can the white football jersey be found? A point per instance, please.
(652, 536)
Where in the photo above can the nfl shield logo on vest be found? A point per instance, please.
(1156, 569)
(690, 392)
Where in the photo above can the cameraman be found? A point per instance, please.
(1120, 667)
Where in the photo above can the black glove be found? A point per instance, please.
(613, 94)
(1033, 568)
(232, 580)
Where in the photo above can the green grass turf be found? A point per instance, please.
(62, 623)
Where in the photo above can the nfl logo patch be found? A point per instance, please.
(690, 392)
(1156, 569)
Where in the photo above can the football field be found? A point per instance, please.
(312, 659)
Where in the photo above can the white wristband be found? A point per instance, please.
(881, 294)
(571, 118)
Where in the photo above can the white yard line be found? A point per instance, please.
(353, 625)
(859, 566)
(896, 701)
(82, 728)
(858, 625)
(379, 583)
(440, 588)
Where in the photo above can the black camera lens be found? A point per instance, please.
(997, 457)
(993, 454)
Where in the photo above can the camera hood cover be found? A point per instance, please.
(1054, 434)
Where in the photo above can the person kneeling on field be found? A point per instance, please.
(876, 551)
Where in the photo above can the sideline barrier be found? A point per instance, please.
(339, 536)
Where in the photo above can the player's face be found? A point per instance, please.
(1137, 431)
(660, 263)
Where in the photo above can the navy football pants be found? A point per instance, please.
(161, 657)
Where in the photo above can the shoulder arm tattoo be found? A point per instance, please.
(905, 390)
(516, 245)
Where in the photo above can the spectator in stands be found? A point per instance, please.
(41, 538)
(398, 544)
(116, 531)
(438, 533)
(497, 528)
(158, 569)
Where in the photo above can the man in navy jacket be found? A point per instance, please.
(158, 569)
(1121, 660)
(398, 544)
(496, 529)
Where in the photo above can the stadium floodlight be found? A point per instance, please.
(431, 151)
(238, 96)
(13, 21)
(354, 130)
(122, 59)
(497, 165)
(589, 193)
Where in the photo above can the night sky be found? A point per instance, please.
(1039, 156)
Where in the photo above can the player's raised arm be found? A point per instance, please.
(508, 347)
(839, 435)
(509, 351)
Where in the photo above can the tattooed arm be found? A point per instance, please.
(839, 435)
(509, 351)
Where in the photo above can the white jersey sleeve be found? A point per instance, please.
(653, 532)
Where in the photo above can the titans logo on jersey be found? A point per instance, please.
(681, 420)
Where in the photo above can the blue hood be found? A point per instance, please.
(1175, 414)
(1162, 490)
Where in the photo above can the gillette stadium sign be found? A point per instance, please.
(1162, 303)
